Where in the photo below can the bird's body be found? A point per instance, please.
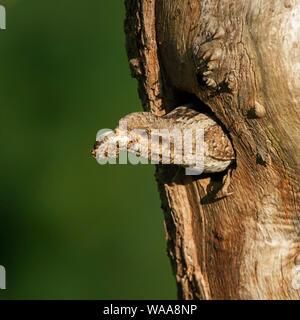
(167, 139)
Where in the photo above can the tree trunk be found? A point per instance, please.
(241, 59)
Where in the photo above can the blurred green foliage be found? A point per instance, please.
(70, 228)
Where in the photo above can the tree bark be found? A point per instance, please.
(241, 59)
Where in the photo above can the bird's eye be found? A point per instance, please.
(97, 144)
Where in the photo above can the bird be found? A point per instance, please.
(161, 139)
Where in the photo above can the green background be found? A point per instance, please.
(70, 228)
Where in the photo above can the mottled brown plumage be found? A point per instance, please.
(218, 151)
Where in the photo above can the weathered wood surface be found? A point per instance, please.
(241, 59)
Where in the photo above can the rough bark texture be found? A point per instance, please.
(242, 60)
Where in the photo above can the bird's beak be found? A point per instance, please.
(95, 147)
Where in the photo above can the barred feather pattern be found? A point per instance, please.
(160, 139)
